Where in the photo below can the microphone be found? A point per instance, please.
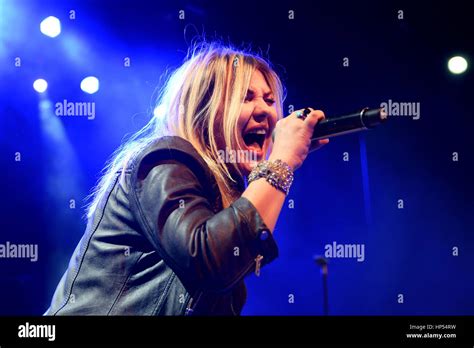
(356, 122)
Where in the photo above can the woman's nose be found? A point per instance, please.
(261, 111)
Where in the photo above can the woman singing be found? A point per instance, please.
(173, 228)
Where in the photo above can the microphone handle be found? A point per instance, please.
(365, 119)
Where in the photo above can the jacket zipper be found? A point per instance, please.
(193, 302)
(258, 264)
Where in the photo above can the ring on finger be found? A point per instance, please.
(302, 114)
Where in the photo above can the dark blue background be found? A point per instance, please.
(407, 251)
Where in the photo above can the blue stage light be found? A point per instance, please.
(90, 84)
(40, 85)
(50, 26)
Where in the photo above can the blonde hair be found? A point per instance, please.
(212, 81)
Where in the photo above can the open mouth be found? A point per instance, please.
(254, 139)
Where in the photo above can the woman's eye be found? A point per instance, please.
(270, 101)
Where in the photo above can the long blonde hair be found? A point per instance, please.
(212, 81)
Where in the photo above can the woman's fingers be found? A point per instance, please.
(311, 122)
(293, 134)
(314, 117)
(317, 144)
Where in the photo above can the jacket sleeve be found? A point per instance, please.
(213, 251)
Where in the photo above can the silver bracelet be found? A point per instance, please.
(277, 173)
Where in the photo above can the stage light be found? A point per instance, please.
(90, 84)
(40, 85)
(457, 65)
(50, 26)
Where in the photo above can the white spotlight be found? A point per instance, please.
(50, 26)
(159, 111)
(457, 65)
(40, 85)
(90, 84)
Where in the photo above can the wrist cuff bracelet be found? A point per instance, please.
(277, 173)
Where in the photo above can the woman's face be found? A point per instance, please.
(256, 123)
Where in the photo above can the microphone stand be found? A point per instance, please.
(323, 263)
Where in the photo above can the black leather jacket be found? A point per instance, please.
(159, 243)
